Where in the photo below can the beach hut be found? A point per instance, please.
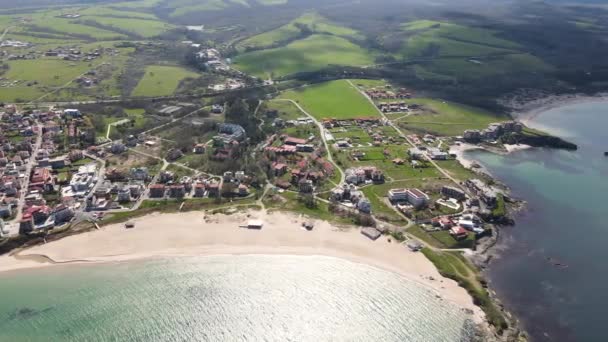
(255, 224)
(371, 233)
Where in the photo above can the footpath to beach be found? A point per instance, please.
(196, 233)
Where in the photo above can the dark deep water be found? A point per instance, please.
(566, 221)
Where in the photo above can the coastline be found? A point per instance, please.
(525, 110)
(460, 150)
(197, 234)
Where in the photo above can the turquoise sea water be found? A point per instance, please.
(564, 222)
(223, 298)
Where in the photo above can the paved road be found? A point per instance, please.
(4, 33)
(28, 172)
(330, 158)
(117, 123)
(403, 135)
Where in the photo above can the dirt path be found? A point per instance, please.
(330, 158)
(403, 135)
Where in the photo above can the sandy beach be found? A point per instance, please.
(459, 152)
(527, 109)
(195, 233)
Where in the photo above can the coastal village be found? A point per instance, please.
(244, 138)
(56, 172)
(59, 174)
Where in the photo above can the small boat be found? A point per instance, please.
(605, 154)
(556, 263)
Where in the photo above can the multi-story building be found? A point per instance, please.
(417, 198)
(157, 191)
(397, 195)
(452, 192)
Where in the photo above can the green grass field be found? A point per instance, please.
(118, 13)
(463, 69)
(182, 7)
(313, 21)
(114, 19)
(336, 99)
(310, 54)
(44, 22)
(456, 170)
(418, 46)
(463, 53)
(142, 27)
(446, 118)
(21, 93)
(45, 75)
(447, 39)
(50, 72)
(161, 80)
(287, 110)
(368, 84)
(178, 8)
(375, 157)
(137, 4)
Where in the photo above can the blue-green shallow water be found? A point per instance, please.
(566, 221)
(223, 298)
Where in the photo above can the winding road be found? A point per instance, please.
(28, 171)
(4, 33)
(330, 158)
(403, 135)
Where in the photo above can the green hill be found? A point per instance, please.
(310, 54)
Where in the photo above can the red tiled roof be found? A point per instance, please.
(294, 141)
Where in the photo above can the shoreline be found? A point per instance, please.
(527, 110)
(468, 163)
(197, 234)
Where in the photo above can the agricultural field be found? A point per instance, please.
(93, 23)
(137, 4)
(182, 7)
(438, 39)
(49, 21)
(482, 68)
(119, 10)
(369, 84)
(54, 78)
(286, 110)
(461, 53)
(335, 99)
(311, 21)
(38, 77)
(161, 80)
(446, 118)
(140, 27)
(313, 53)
